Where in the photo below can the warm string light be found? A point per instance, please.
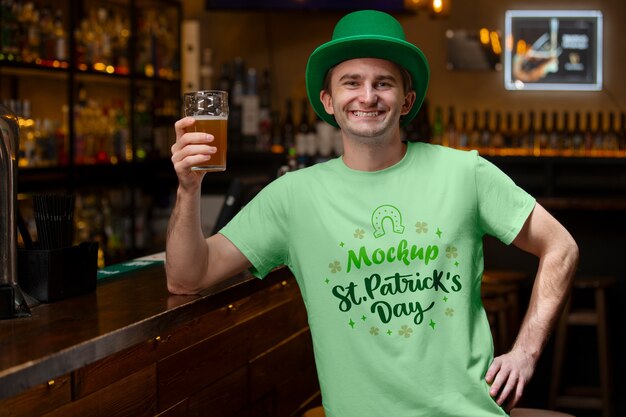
(437, 8)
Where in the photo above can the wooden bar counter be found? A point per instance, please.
(132, 349)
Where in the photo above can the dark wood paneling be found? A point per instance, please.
(133, 396)
(224, 398)
(276, 365)
(39, 400)
(98, 375)
(294, 394)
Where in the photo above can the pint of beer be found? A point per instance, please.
(209, 108)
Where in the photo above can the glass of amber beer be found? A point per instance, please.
(209, 108)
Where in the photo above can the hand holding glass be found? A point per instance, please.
(209, 108)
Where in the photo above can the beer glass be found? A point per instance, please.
(209, 108)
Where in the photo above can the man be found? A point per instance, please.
(385, 243)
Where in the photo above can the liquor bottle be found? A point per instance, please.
(450, 136)
(235, 104)
(288, 130)
(225, 82)
(541, 138)
(463, 139)
(485, 133)
(277, 146)
(422, 126)
(474, 135)
(206, 70)
(598, 133)
(437, 137)
(250, 112)
(611, 135)
(60, 37)
(518, 137)
(302, 135)
(554, 134)
(264, 139)
(312, 139)
(497, 137)
(325, 138)
(588, 134)
(565, 133)
(578, 138)
(621, 138)
(507, 132)
(529, 136)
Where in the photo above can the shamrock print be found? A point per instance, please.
(374, 331)
(451, 252)
(421, 227)
(334, 266)
(359, 233)
(405, 331)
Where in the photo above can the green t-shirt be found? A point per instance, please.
(389, 264)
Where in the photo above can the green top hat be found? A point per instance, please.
(366, 34)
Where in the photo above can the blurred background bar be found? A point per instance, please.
(97, 86)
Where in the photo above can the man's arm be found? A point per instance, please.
(193, 263)
(543, 236)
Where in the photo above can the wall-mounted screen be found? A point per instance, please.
(553, 50)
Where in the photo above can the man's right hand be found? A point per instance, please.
(191, 149)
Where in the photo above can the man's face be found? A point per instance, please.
(367, 97)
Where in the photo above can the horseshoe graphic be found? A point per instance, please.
(386, 212)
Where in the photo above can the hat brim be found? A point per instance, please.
(334, 52)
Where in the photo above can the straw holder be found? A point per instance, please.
(56, 274)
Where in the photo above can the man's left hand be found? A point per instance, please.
(508, 375)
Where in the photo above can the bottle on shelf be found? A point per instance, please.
(598, 134)
(474, 136)
(264, 140)
(530, 135)
(554, 134)
(588, 134)
(312, 140)
(485, 132)
(621, 138)
(508, 133)
(437, 137)
(463, 136)
(611, 135)
(497, 137)
(206, 70)
(250, 112)
(277, 146)
(235, 102)
(302, 134)
(450, 135)
(578, 137)
(518, 137)
(541, 138)
(288, 129)
(565, 134)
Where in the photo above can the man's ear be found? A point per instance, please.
(327, 101)
(409, 100)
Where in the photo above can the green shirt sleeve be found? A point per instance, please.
(503, 207)
(261, 229)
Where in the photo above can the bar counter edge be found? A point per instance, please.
(64, 336)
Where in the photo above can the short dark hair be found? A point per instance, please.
(407, 80)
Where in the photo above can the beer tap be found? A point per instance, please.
(13, 302)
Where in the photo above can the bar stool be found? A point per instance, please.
(595, 397)
(517, 412)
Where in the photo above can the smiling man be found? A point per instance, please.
(385, 242)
